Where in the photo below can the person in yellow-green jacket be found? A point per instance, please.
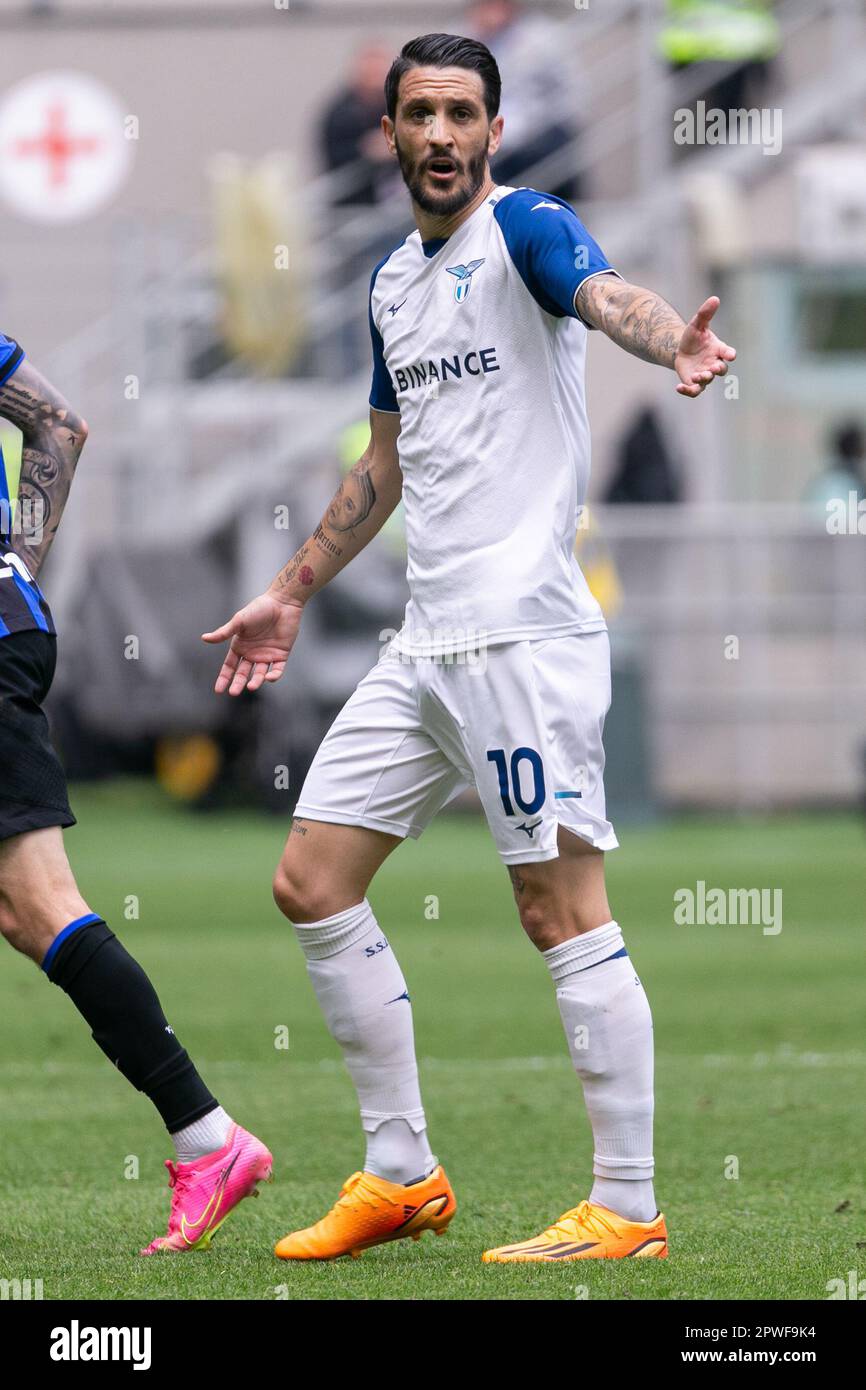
(717, 33)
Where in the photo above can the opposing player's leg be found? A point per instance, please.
(43, 915)
(376, 779)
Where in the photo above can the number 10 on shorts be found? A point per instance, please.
(509, 771)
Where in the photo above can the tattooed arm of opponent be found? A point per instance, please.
(263, 632)
(53, 439)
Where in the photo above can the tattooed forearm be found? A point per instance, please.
(325, 543)
(356, 512)
(53, 439)
(297, 571)
(638, 320)
(351, 504)
(354, 500)
(33, 513)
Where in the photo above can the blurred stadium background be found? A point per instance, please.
(192, 202)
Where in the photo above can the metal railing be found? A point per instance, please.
(748, 624)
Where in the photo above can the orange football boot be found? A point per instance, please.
(588, 1232)
(370, 1211)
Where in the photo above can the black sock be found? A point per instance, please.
(114, 995)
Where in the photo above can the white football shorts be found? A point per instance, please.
(522, 722)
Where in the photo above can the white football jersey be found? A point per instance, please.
(478, 346)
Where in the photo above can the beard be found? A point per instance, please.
(471, 176)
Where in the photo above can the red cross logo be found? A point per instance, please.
(66, 146)
(57, 145)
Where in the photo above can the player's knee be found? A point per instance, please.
(540, 919)
(299, 893)
(540, 932)
(14, 928)
(7, 918)
(287, 892)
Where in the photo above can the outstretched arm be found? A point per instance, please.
(646, 325)
(53, 439)
(264, 631)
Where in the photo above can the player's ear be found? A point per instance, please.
(494, 139)
(388, 129)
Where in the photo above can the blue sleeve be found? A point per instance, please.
(550, 247)
(382, 393)
(11, 357)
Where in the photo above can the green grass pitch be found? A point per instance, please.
(760, 1059)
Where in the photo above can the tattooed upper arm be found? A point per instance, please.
(35, 406)
(590, 297)
(53, 439)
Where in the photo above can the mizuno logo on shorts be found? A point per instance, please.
(528, 828)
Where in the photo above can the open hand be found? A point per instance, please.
(701, 355)
(262, 635)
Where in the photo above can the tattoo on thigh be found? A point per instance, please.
(298, 828)
(517, 883)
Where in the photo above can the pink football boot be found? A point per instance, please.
(205, 1192)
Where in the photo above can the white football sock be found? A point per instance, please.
(608, 1025)
(395, 1152)
(363, 995)
(203, 1136)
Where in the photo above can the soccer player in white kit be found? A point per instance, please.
(500, 676)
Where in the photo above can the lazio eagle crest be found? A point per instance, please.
(464, 275)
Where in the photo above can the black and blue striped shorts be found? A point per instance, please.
(32, 781)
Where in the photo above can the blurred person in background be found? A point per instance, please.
(538, 100)
(42, 912)
(353, 151)
(709, 36)
(644, 470)
(845, 471)
(350, 130)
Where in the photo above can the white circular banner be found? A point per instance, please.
(63, 149)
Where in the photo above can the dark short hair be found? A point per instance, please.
(445, 51)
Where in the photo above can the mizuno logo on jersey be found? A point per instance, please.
(463, 274)
(395, 308)
(556, 207)
(420, 374)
